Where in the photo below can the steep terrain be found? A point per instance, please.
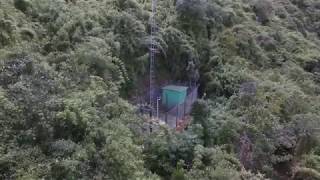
(68, 69)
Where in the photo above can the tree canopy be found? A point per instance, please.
(70, 69)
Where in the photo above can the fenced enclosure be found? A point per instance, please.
(175, 117)
(177, 114)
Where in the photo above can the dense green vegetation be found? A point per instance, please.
(69, 68)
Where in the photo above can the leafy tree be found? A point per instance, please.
(263, 9)
(70, 71)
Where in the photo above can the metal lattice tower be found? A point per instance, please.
(153, 49)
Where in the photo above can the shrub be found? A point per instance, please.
(263, 10)
(27, 34)
(22, 5)
(306, 174)
(312, 161)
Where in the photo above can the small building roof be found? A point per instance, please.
(175, 88)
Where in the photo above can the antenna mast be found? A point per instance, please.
(152, 50)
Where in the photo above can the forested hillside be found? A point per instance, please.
(69, 68)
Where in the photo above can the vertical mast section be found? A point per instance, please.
(152, 50)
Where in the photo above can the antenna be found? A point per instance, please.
(153, 49)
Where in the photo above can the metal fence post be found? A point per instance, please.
(167, 109)
(177, 117)
(184, 107)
